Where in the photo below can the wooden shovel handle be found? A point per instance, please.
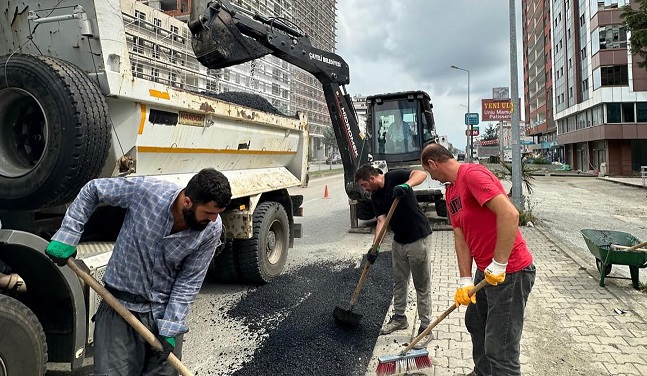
(440, 318)
(378, 241)
(127, 315)
(639, 245)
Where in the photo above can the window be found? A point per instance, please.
(156, 51)
(137, 69)
(613, 36)
(585, 85)
(226, 75)
(158, 24)
(597, 115)
(138, 45)
(173, 57)
(139, 16)
(613, 113)
(155, 74)
(628, 115)
(641, 112)
(614, 76)
(583, 53)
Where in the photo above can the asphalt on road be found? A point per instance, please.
(295, 313)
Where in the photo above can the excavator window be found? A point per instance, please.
(397, 126)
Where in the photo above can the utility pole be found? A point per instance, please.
(517, 195)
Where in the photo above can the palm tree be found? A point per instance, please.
(526, 176)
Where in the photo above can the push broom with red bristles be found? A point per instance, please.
(414, 359)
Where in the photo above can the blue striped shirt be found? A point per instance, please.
(147, 260)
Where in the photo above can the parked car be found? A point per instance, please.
(333, 159)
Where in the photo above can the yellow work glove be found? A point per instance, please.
(495, 273)
(462, 293)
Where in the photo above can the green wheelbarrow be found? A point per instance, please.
(616, 247)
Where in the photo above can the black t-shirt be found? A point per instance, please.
(409, 223)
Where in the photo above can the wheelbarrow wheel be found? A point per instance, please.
(607, 269)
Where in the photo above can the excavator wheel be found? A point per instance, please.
(54, 131)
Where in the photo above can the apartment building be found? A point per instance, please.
(600, 93)
(538, 78)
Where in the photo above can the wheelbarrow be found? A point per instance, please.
(616, 247)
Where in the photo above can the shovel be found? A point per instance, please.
(347, 316)
(127, 315)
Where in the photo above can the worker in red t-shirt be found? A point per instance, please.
(486, 230)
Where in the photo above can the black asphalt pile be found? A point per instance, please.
(295, 311)
(251, 100)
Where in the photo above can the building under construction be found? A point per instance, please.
(286, 87)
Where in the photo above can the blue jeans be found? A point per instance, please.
(495, 323)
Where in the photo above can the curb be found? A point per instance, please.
(623, 183)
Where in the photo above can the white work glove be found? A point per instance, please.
(495, 273)
(462, 293)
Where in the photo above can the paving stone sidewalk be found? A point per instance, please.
(573, 326)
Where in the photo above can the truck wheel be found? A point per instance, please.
(262, 257)
(223, 266)
(54, 131)
(23, 348)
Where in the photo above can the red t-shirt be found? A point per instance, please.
(475, 186)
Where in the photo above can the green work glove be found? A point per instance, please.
(168, 345)
(400, 190)
(60, 252)
(370, 256)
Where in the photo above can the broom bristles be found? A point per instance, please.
(414, 360)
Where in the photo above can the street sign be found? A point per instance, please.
(475, 132)
(471, 118)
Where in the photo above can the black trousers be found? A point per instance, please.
(120, 351)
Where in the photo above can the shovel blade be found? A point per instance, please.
(346, 317)
(221, 44)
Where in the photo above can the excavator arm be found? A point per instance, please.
(224, 35)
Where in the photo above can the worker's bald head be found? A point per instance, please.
(437, 153)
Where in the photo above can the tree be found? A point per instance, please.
(490, 134)
(636, 22)
(329, 138)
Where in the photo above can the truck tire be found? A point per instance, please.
(23, 347)
(54, 131)
(263, 257)
(223, 267)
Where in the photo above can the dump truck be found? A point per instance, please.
(112, 88)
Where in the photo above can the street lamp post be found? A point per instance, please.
(470, 139)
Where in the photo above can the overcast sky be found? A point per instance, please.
(397, 45)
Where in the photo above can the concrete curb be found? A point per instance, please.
(623, 183)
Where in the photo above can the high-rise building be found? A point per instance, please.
(538, 77)
(600, 93)
(317, 18)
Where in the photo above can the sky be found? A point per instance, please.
(398, 45)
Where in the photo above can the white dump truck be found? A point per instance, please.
(110, 88)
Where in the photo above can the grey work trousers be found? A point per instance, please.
(495, 323)
(120, 351)
(412, 260)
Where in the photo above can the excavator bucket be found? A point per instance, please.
(218, 43)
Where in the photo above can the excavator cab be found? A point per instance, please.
(401, 124)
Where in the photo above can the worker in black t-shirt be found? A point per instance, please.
(410, 226)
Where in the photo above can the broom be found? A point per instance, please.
(411, 360)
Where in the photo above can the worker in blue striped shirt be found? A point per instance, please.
(158, 264)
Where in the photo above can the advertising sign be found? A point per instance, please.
(495, 110)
